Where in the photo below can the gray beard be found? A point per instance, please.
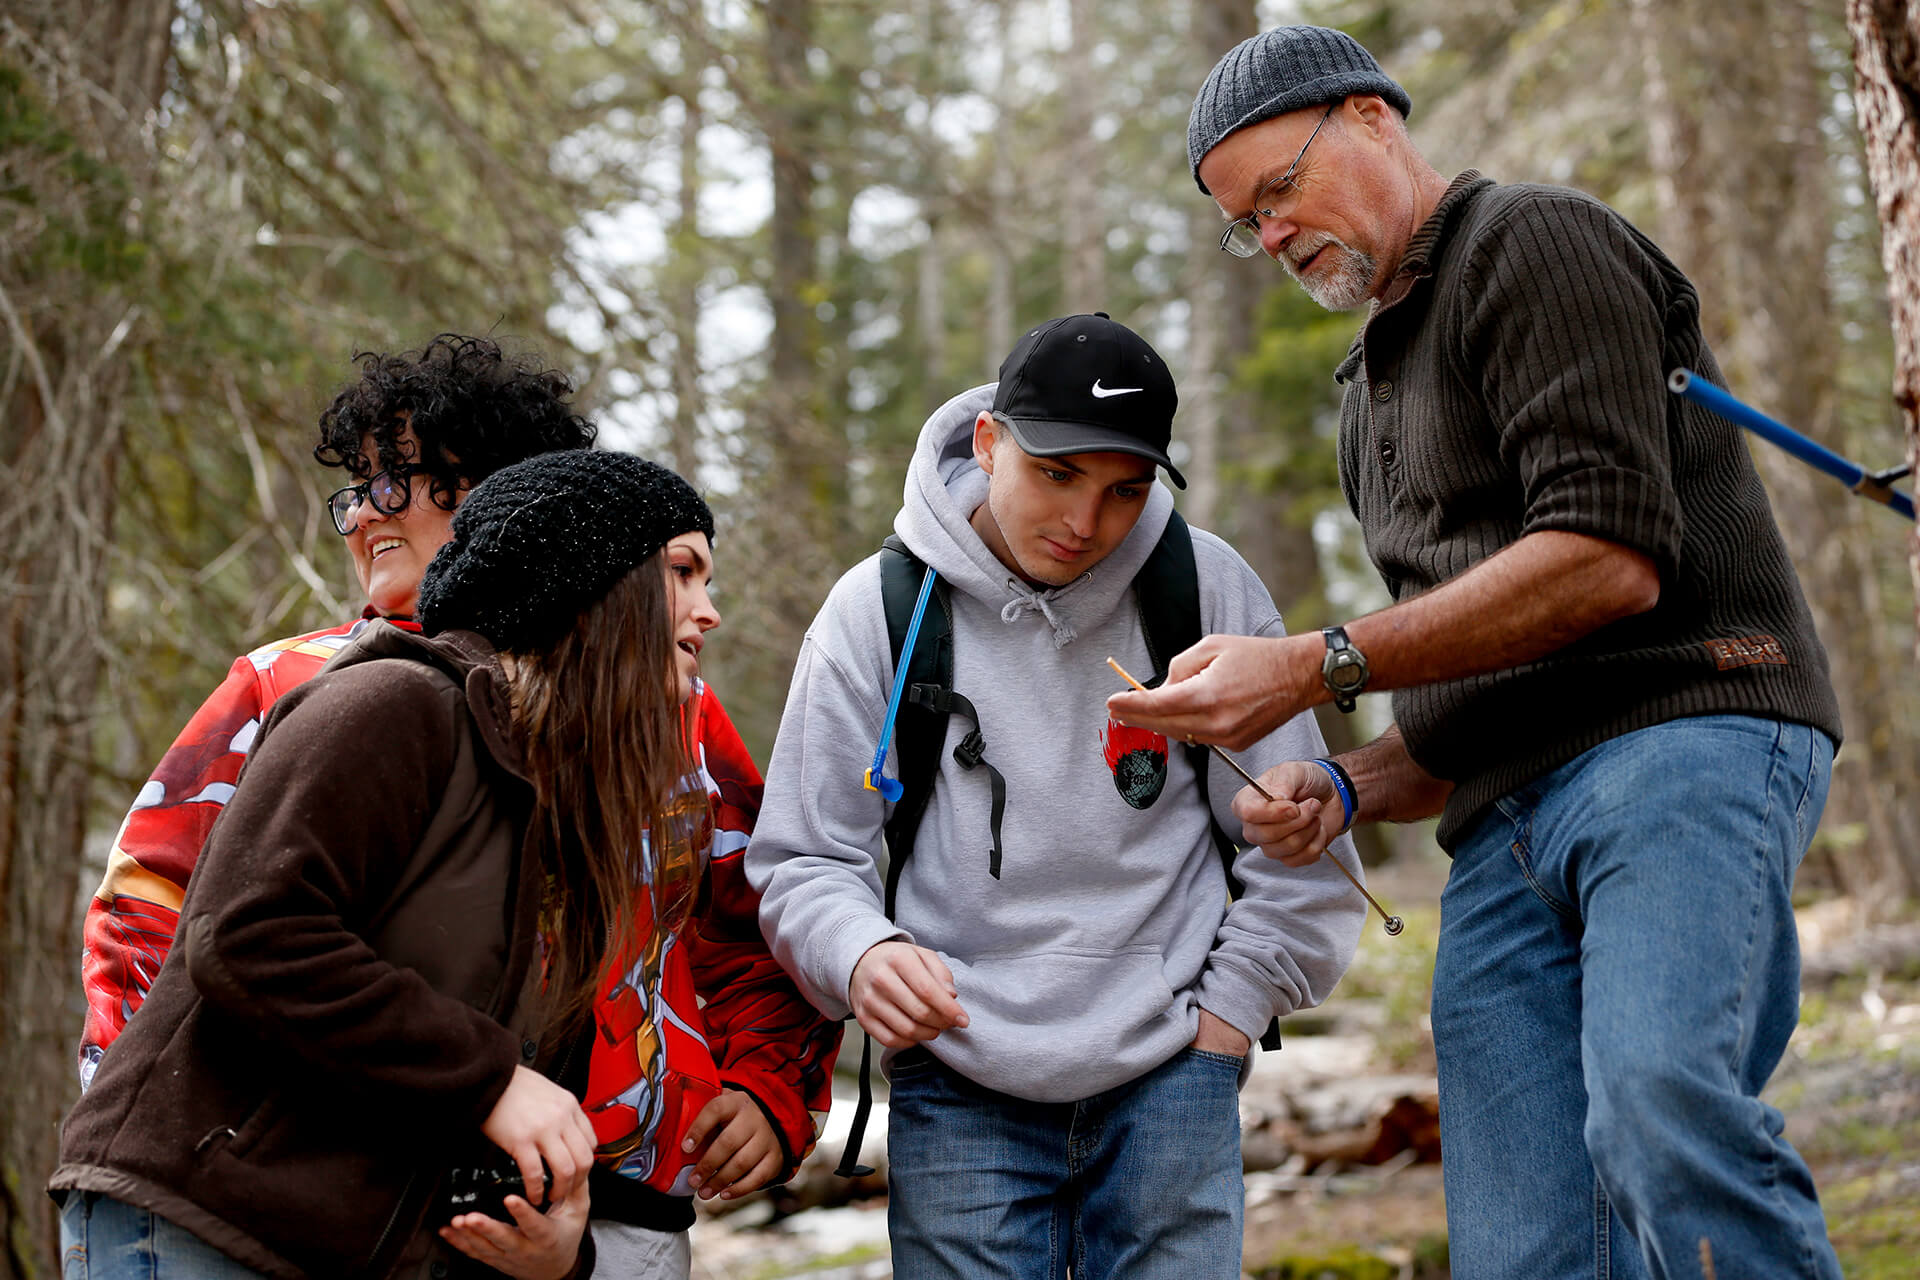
(1347, 284)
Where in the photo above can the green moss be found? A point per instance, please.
(1340, 1264)
(1398, 972)
(1874, 1222)
(848, 1258)
(1430, 1256)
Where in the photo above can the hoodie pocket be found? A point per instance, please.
(1062, 1024)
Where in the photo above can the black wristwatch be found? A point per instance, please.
(1344, 669)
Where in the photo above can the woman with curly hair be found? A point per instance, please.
(440, 853)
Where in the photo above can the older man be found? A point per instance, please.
(1605, 679)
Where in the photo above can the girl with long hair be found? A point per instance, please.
(439, 855)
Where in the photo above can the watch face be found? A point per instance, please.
(1346, 674)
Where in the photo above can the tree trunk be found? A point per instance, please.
(1886, 54)
(683, 303)
(931, 282)
(82, 82)
(1001, 322)
(1735, 116)
(1084, 252)
(794, 464)
(1221, 298)
(1204, 388)
(1221, 421)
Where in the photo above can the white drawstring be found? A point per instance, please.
(1026, 600)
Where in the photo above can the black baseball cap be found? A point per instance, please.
(1088, 384)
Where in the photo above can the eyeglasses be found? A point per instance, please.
(1276, 199)
(388, 491)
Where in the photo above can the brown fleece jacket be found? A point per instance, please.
(352, 986)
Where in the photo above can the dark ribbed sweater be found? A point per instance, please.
(1515, 382)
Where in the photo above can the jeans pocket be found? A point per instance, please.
(1231, 1061)
(915, 1060)
(1521, 847)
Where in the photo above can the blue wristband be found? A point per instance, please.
(1343, 786)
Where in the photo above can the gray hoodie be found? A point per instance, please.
(1084, 966)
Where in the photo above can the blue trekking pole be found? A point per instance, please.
(1876, 485)
(889, 788)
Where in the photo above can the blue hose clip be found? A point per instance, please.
(889, 788)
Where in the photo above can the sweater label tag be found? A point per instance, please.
(1745, 651)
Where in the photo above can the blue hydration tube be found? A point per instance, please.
(889, 788)
(1877, 485)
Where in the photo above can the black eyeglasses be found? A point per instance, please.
(1276, 199)
(388, 491)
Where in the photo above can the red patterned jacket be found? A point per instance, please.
(707, 1008)
(131, 921)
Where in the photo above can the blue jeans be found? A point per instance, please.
(106, 1239)
(1618, 976)
(1140, 1182)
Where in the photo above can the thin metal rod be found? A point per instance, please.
(1394, 924)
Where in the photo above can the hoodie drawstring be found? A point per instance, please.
(1026, 600)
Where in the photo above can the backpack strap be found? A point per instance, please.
(919, 729)
(969, 753)
(1167, 590)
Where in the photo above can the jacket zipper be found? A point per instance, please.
(393, 1218)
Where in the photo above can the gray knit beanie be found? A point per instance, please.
(1279, 71)
(538, 542)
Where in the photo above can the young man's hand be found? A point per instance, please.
(1216, 1035)
(742, 1153)
(903, 994)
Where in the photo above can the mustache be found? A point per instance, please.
(1304, 247)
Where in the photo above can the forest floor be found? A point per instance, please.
(1849, 1087)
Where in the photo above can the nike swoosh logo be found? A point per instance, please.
(1101, 393)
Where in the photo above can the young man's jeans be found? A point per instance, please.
(106, 1239)
(1141, 1182)
(1618, 976)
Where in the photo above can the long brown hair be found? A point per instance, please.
(601, 716)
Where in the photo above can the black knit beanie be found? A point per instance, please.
(1279, 71)
(536, 543)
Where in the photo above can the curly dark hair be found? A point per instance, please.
(472, 407)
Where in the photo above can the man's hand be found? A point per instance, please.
(903, 994)
(1301, 820)
(742, 1154)
(535, 1245)
(536, 1120)
(1219, 1036)
(1231, 690)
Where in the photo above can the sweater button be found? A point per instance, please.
(437, 1269)
(1386, 453)
(528, 1049)
(1383, 390)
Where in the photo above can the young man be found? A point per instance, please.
(1606, 681)
(1065, 993)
